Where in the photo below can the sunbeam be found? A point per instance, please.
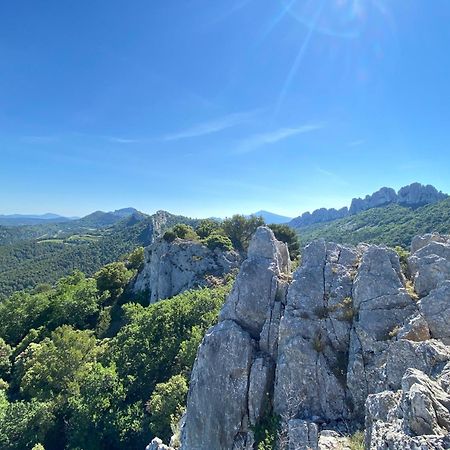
(299, 57)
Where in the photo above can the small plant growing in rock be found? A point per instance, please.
(318, 343)
(394, 332)
(356, 441)
(403, 256)
(409, 286)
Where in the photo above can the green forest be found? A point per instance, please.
(84, 365)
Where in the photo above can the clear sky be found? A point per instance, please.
(207, 108)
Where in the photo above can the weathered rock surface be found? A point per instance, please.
(157, 444)
(430, 264)
(173, 267)
(382, 197)
(232, 375)
(417, 194)
(342, 342)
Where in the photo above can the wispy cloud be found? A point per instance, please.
(260, 140)
(213, 126)
(119, 140)
(357, 143)
(331, 176)
(39, 139)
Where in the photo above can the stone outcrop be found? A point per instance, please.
(413, 196)
(173, 267)
(157, 444)
(417, 194)
(341, 343)
(232, 377)
(319, 216)
(382, 197)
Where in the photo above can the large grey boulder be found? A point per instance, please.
(257, 285)
(314, 335)
(302, 435)
(217, 401)
(430, 263)
(379, 293)
(173, 267)
(435, 309)
(415, 417)
(232, 379)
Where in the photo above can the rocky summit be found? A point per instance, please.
(412, 196)
(353, 340)
(174, 267)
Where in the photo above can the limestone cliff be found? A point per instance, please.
(343, 344)
(173, 267)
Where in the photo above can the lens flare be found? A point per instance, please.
(339, 18)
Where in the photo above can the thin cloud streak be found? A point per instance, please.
(213, 126)
(118, 140)
(39, 139)
(357, 143)
(260, 140)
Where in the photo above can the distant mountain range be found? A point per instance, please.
(32, 219)
(95, 219)
(270, 218)
(412, 196)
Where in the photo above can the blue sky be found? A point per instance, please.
(207, 108)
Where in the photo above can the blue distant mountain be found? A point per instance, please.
(32, 219)
(270, 218)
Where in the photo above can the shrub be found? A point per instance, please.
(207, 227)
(240, 230)
(215, 240)
(185, 232)
(113, 278)
(166, 405)
(135, 259)
(169, 236)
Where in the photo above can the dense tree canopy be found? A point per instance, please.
(62, 385)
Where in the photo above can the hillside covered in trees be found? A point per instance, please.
(391, 225)
(40, 254)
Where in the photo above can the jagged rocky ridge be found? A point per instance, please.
(413, 196)
(174, 267)
(344, 343)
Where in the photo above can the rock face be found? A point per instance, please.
(341, 342)
(413, 196)
(417, 194)
(238, 355)
(319, 216)
(382, 197)
(173, 267)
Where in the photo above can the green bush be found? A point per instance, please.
(219, 241)
(166, 406)
(169, 236)
(240, 230)
(207, 227)
(113, 278)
